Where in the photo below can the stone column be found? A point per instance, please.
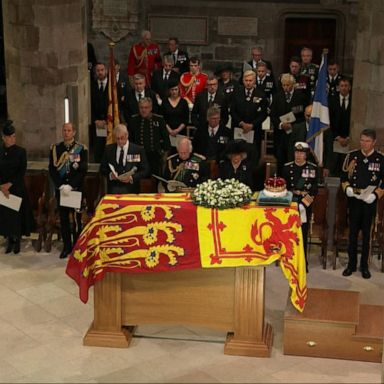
(368, 77)
(46, 58)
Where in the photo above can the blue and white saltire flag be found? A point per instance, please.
(320, 113)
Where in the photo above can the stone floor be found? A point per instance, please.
(42, 322)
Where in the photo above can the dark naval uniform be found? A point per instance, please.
(191, 171)
(303, 181)
(359, 172)
(68, 164)
(152, 134)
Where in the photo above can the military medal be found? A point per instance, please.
(365, 161)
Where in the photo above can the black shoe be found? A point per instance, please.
(16, 247)
(348, 271)
(64, 254)
(365, 273)
(9, 245)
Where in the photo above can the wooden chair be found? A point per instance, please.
(93, 190)
(318, 229)
(378, 233)
(341, 231)
(36, 184)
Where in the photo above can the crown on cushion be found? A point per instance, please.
(275, 184)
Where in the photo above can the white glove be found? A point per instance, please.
(370, 198)
(349, 192)
(65, 189)
(303, 213)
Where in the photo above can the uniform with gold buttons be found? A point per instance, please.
(68, 165)
(362, 180)
(152, 134)
(191, 171)
(303, 180)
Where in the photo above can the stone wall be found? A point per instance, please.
(368, 87)
(235, 47)
(45, 53)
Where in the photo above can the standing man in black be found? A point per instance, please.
(180, 58)
(340, 120)
(333, 77)
(362, 181)
(211, 96)
(249, 110)
(135, 94)
(68, 165)
(285, 131)
(129, 162)
(161, 78)
(99, 111)
(211, 138)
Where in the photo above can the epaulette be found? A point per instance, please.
(157, 115)
(310, 163)
(135, 115)
(83, 145)
(289, 163)
(202, 157)
(172, 156)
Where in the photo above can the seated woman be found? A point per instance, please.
(13, 164)
(235, 163)
(175, 111)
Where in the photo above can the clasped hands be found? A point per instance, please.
(368, 199)
(124, 179)
(65, 189)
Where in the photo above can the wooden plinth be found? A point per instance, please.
(335, 325)
(227, 299)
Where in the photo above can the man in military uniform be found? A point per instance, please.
(265, 81)
(302, 179)
(363, 182)
(224, 73)
(68, 164)
(144, 57)
(185, 166)
(192, 82)
(308, 68)
(149, 130)
(180, 58)
(333, 77)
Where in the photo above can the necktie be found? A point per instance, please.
(139, 95)
(121, 157)
(174, 57)
(249, 92)
(287, 97)
(212, 132)
(101, 86)
(343, 105)
(210, 100)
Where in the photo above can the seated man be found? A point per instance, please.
(129, 162)
(185, 166)
(302, 179)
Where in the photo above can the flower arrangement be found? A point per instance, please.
(221, 194)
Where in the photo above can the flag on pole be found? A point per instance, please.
(113, 117)
(320, 113)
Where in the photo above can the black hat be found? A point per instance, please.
(173, 84)
(236, 147)
(8, 128)
(224, 67)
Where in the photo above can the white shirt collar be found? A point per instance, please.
(215, 129)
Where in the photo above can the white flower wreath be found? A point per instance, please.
(221, 194)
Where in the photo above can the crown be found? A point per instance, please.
(275, 184)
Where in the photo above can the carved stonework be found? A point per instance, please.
(115, 18)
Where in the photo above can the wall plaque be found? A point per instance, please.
(115, 18)
(237, 26)
(188, 29)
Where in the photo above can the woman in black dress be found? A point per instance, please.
(13, 164)
(175, 111)
(235, 164)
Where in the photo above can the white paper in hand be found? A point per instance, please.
(12, 202)
(71, 200)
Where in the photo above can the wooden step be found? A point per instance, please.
(371, 321)
(328, 305)
(335, 325)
